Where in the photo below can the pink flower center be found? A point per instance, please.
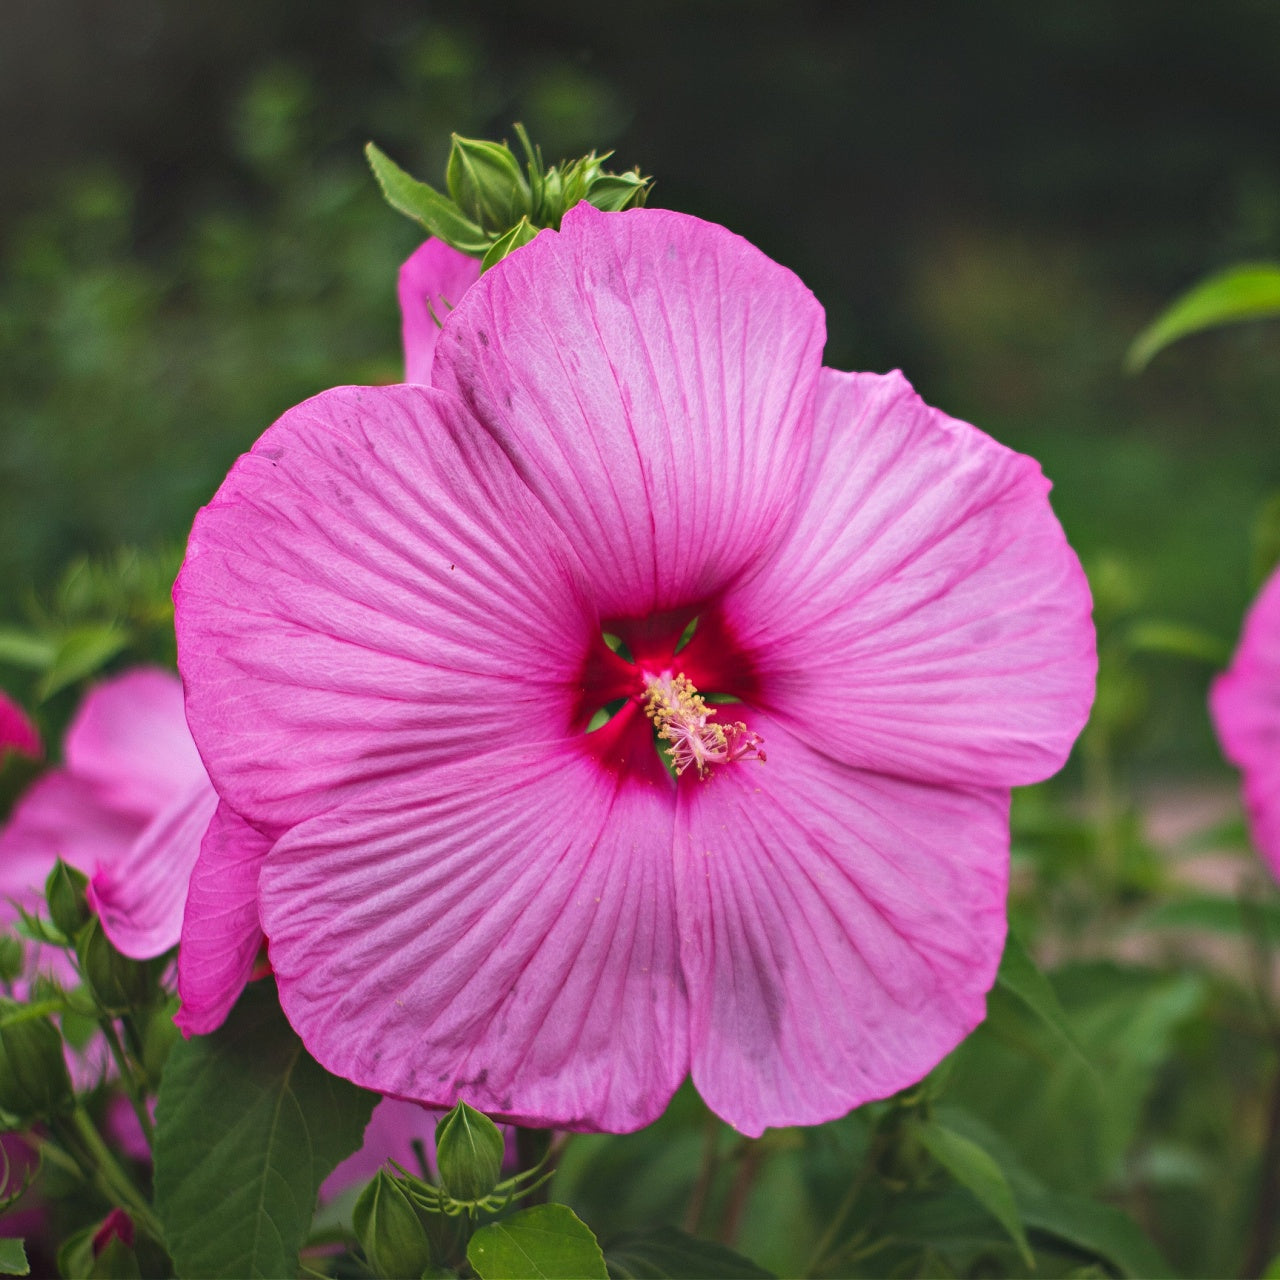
(681, 718)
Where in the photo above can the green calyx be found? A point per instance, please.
(495, 205)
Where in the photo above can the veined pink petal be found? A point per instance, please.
(60, 816)
(839, 930)
(1245, 703)
(17, 733)
(130, 739)
(501, 931)
(925, 617)
(140, 896)
(221, 936)
(432, 282)
(411, 603)
(651, 376)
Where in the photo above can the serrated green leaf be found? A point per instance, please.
(665, 1253)
(1021, 981)
(81, 652)
(979, 1174)
(26, 649)
(425, 204)
(1099, 1229)
(1250, 291)
(547, 1242)
(13, 1258)
(248, 1126)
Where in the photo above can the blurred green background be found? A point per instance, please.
(993, 196)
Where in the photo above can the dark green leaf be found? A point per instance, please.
(1099, 1229)
(13, 1258)
(247, 1128)
(516, 238)
(1020, 981)
(425, 204)
(979, 1174)
(81, 652)
(1211, 913)
(1247, 292)
(547, 1242)
(664, 1253)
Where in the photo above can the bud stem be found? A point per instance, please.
(130, 1077)
(82, 1141)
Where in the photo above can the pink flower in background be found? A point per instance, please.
(17, 733)
(128, 808)
(432, 282)
(392, 624)
(1245, 704)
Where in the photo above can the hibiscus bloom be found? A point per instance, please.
(128, 808)
(632, 489)
(17, 733)
(1245, 704)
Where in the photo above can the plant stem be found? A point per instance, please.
(1261, 1238)
(78, 1135)
(130, 1077)
(838, 1219)
(739, 1193)
(706, 1176)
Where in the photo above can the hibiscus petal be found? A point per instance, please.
(389, 1135)
(925, 616)
(1245, 702)
(839, 930)
(501, 931)
(130, 740)
(432, 283)
(17, 733)
(652, 377)
(60, 816)
(141, 895)
(372, 589)
(221, 936)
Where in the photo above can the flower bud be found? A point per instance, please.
(485, 182)
(12, 957)
(64, 891)
(390, 1230)
(118, 983)
(117, 1225)
(34, 1081)
(469, 1151)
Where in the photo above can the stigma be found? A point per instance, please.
(683, 721)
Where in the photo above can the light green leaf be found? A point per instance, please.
(1021, 982)
(547, 1242)
(26, 649)
(80, 652)
(664, 1253)
(1250, 291)
(1176, 640)
(1099, 1229)
(1211, 913)
(979, 1174)
(247, 1128)
(425, 204)
(13, 1258)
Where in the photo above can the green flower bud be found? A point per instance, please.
(390, 1230)
(12, 957)
(485, 182)
(118, 983)
(64, 891)
(34, 1081)
(469, 1151)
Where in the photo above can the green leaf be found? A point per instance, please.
(1021, 982)
(978, 1173)
(247, 1128)
(1099, 1229)
(664, 1253)
(425, 204)
(13, 1258)
(519, 236)
(1211, 913)
(547, 1242)
(25, 649)
(82, 651)
(1176, 640)
(1250, 291)
(469, 1151)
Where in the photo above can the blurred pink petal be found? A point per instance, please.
(432, 282)
(392, 625)
(390, 1134)
(1245, 703)
(17, 733)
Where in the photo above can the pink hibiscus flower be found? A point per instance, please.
(17, 733)
(128, 808)
(392, 625)
(1245, 705)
